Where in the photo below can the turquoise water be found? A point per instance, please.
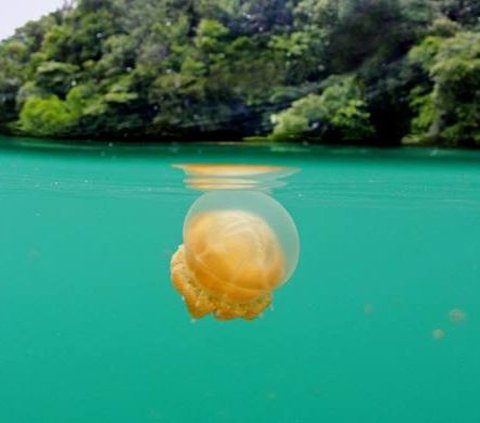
(92, 330)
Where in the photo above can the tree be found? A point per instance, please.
(46, 117)
(338, 114)
(194, 69)
(448, 108)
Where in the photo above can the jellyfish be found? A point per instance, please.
(457, 315)
(438, 334)
(238, 247)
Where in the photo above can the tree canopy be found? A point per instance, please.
(330, 71)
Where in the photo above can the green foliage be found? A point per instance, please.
(465, 12)
(448, 108)
(46, 116)
(338, 113)
(423, 103)
(188, 69)
(56, 77)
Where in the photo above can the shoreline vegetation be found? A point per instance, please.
(355, 72)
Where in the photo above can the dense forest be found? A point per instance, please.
(378, 72)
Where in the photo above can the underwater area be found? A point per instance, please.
(380, 321)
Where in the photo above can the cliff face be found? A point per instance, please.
(369, 71)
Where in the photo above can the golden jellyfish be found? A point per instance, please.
(238, 247)
(438, 334)
(457, 315)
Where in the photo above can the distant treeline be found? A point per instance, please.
(376, 72)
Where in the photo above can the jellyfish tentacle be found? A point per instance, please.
(200, 303)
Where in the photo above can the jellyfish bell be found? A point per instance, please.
(238, 247)
(265, 208)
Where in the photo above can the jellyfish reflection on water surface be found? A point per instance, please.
(238, 246)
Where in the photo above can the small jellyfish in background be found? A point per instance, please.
(368, 309)
(438, 334)
(457, 315)
(238, 247)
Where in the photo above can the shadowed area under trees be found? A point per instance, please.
(329, 71)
